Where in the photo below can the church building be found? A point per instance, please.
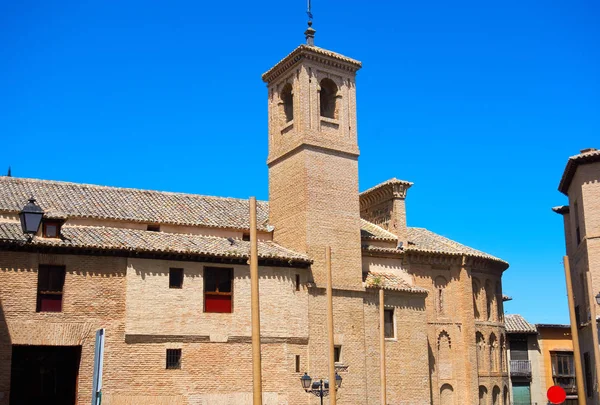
(161, 280)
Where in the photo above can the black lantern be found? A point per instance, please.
(305, 380)
(338, 380)
(598, 298)
(31, 217)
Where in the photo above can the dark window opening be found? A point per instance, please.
(153, 228)
(388, 316)
(577, 315)
(588, 375)
(576, 216)
(246, 237)
(328, 98)
(563, 371)
(287, 98)
(51, 229)
(518, 348)
(297, 363)
(218, 283)
(51, 280)
(175, 278)
(173, 359)
(297, 282)
(337, 354)
(44, 375)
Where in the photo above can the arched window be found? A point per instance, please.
(489, 299)
(444, 355)
(482, 395)
(287, 100)
(496, 395)
(328, 98)
(476, 297)
(480, 352)
(502, 353)
(499, 304)
(493, 352)
(440, 284)
(447, 395)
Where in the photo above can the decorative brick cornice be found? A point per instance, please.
(312, 53)
(388, 190)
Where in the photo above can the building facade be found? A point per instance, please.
(540, 356)
(581, 217)
(165, 275)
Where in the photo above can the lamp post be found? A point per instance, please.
(31, 218)
(319, 388)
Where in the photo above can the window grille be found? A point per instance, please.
(173, 359)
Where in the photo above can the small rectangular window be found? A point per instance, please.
(246, 237)
(51, 280)
(173, 359)
(297, 282)
(175, 278)
(218, 289)
(50, 229)
(577, 231)
(153, 228)
(388, 317)
(337, 354)
(297, 363)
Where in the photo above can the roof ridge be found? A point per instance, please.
(101, 186)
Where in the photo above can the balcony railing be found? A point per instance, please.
(520, 368)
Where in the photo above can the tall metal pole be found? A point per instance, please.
(321, 391)
(594, 325)
(256, 360)
(382, 347)
(332, 387)
(574, 334)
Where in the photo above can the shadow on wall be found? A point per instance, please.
(5, 357)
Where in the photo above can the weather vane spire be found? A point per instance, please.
(310, 31)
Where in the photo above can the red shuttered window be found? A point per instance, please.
(218, 289)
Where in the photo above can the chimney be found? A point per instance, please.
(384, 205)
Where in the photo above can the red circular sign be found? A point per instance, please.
(556, 395)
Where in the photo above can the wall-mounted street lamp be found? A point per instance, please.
(598, 299)
(31, 218)
(319, 388)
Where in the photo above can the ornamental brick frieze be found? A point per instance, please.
(433, 259)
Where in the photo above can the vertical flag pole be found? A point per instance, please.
(575, 335)
(332, 387)
(256, 360)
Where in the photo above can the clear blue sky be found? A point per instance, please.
(478, 103)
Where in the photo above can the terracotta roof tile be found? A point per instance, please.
(123, 239)
(390, 281)
(423, 240)
(515, 323)
(129, 204)
(369, 230)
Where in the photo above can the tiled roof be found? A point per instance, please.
(390, 281)
(139, 241)
(369, 230)
(129, 204)
(515, 323)
(73, 200)
(590, 155)
(308, 51)
(423, 240)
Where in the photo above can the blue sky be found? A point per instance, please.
(478, 103)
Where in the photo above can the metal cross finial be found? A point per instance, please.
(310, 31)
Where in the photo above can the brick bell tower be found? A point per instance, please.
(313, 159)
